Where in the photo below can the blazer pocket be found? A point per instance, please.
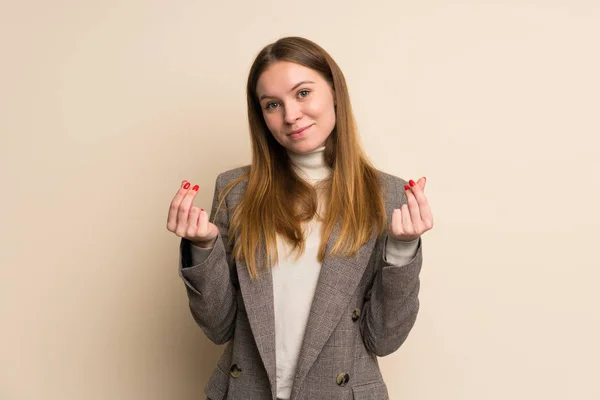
(370, 391)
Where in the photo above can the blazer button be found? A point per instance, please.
(235, 371)
(356, 315)
(342, 379)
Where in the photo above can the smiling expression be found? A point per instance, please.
(297, 105)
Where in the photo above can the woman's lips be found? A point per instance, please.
(299, 132)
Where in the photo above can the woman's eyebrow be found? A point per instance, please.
(264, 96)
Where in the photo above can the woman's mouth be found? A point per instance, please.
(299, 133)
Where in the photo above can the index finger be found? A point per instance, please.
(183, 189)
(423, 203)
(186, 204)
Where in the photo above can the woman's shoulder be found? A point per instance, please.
(391, 181)
(393, 191)
(232, 174)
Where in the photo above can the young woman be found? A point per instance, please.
(310, 267)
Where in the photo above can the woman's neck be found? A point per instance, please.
(311, 165)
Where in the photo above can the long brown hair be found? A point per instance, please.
(277, 200)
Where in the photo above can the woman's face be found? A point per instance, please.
(297, 105)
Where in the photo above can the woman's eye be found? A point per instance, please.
(303, 93)
(271, 106)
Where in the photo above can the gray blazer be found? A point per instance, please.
(363, 307)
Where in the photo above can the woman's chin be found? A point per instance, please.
(305, 146)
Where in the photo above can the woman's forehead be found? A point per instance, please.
(282, 76)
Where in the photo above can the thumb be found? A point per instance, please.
(421, 182)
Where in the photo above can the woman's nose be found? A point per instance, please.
(292, 113)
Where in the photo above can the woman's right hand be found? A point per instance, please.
(190, 222)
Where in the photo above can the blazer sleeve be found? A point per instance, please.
(392, 301)
(210, 283)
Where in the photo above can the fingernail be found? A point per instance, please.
(202, 209)
(412, 183)
(196, 188)
(406, 187)
(187, 185)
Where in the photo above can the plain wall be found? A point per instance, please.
(106, 106)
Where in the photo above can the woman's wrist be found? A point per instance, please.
(206, 244)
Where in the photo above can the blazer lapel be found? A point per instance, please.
(337, 282)
(258, 300)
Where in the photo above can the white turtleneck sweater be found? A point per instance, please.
(295, 281)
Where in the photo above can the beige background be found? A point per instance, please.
(107, 105)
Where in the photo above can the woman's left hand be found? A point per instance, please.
(413, 219)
